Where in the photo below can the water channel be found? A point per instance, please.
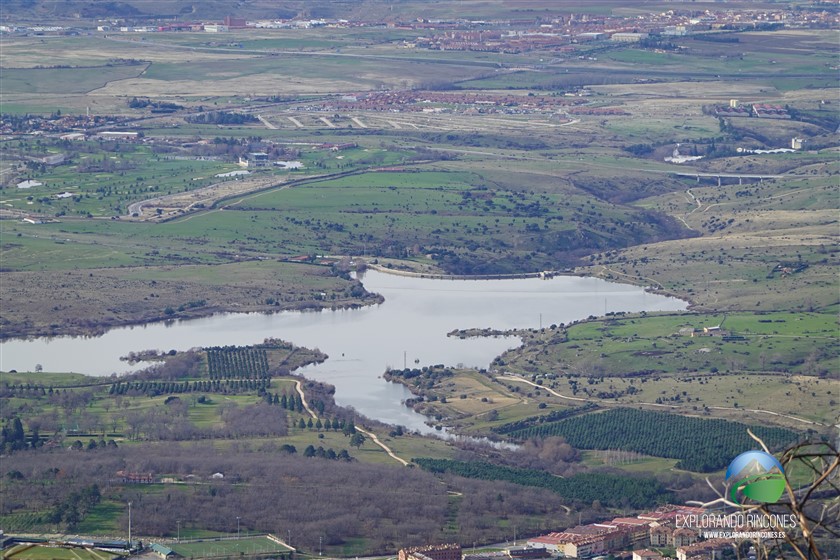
(409, 328)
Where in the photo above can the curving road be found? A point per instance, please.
(512, 377)
(367, 433)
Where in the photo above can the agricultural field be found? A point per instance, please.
(701, 445)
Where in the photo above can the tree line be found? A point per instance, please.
(155, 388)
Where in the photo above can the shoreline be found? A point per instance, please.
(21, 331)
(100, 329)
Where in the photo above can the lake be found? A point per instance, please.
(409, 328)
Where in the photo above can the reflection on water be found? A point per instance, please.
(409, 329)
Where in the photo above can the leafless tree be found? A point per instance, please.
(815, 506)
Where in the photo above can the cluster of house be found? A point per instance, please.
(760, 110)
(766, 111)
(560, 32)
(444, 102)
(531, 32)
(454, 552)
(655, 528)
(658, 528)
(129, 477)
(41, 124)
(449, 551)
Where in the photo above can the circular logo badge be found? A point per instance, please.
(756, 475)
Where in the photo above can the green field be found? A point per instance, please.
(116, 176)
(64, 80)
(249, 546)
(765, 343)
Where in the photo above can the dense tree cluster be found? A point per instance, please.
(12, 436)
(73, 509)
(156, 106)
(380, 507)
(701, 445)
(434, 373)
(221, 117)
(608, 489)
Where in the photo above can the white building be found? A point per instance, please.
(628, 37)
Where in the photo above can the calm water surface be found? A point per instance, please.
(409, 328)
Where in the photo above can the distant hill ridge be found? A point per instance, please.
(18, 10)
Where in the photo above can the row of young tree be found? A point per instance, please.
(155, 388)
(701, 445)
(230, 362)
(553, 416)
(290, 402)
(345, 426)
(321, 453)
(294, 403)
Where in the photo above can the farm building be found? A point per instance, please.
(162, 551)
(119, 135)
(235, 23)
(135, 478)
(628, 37)
(254, 159)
